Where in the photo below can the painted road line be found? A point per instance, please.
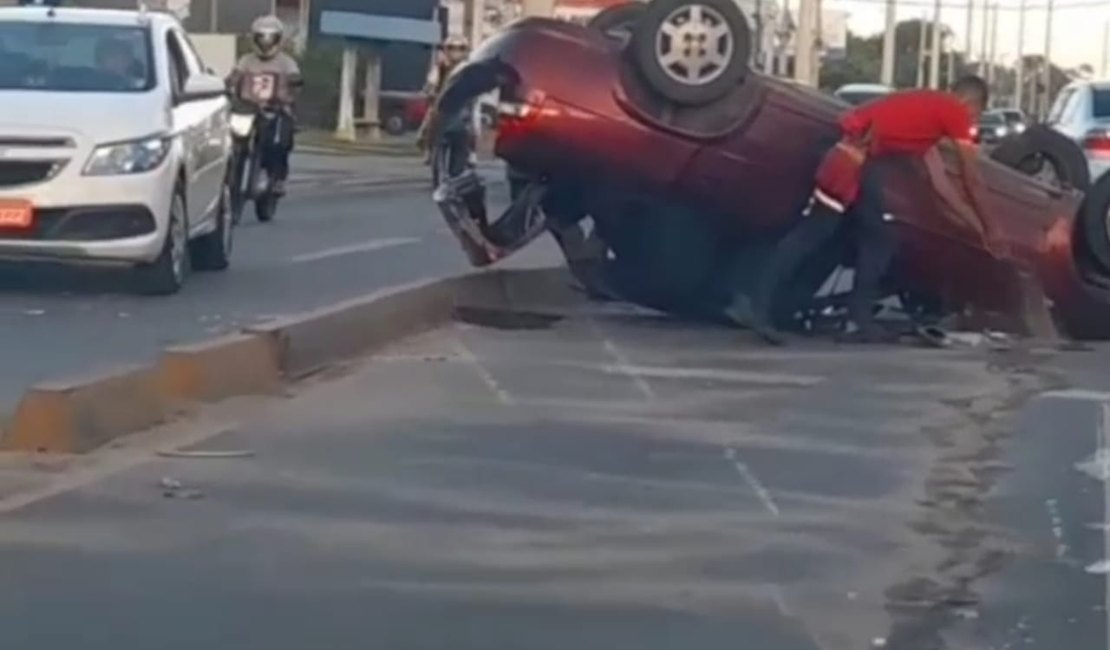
(352, 249)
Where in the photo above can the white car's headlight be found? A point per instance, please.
(1000, 131)
(134, 157)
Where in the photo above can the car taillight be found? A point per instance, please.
(1097, 142)
(516, 117)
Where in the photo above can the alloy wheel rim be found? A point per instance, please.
(694, 44)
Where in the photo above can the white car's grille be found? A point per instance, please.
(25, 172)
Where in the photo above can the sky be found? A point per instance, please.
(1078, 30)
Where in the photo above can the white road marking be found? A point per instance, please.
(351, 249)
(662, 372)
(749, 476)
(487, 377)
(623, 366)
(1078, 393)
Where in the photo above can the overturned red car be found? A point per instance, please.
(650, 124)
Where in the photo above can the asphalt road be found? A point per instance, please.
(332, 240)
(609, 480)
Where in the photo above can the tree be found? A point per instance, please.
(862, 62)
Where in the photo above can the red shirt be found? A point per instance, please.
(910, 122)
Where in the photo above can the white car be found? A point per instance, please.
(856, 94)
(1082, 112)
(114, 144)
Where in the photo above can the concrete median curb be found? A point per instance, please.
(79, 415)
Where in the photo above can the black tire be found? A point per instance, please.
(166, 274)
(716, 82)
(1094, 215)
(212, 252)
(265, 207)
(394, 124)
(1029, 151)
(619, 21)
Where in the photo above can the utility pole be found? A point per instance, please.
(1105, 48)
(984, 64)
(951, 60)
(969, 42)
(757, 51)
(1046, 100)
(934, 51)
(994, 47)
(1019, 75)
(921, 52)
(804, 42)
(889, 42)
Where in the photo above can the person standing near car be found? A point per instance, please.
(267, 73)
(453, 52)
(848, 184)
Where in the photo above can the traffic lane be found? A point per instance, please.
(322, 248)
(611, 480)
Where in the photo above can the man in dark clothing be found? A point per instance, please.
(847, 183)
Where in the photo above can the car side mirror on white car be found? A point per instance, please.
(203, 86)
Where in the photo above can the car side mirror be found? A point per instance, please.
(203, 86)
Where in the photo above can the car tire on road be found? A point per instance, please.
(692, 52)
(619, 21)
(212, 252)
(166, 274)
(1094, 219)
(1028, 152)
(394, 124)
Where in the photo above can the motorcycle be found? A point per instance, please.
(253, 113)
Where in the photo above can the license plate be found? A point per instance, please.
(16, 213)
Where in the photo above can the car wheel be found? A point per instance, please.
(618, 22)
(1042, 152)
(166, 274)
(394, 124)
(212, 252)
(1094, 219)
(692, 52)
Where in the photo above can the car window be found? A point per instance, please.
(857, 98)
(70, 57)
(192, 57)
(179, 69)
(1100, 102)
(1074, 106)
(992, 118)
(1057, 112)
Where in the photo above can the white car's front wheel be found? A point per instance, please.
(212, 252)
(166, 274)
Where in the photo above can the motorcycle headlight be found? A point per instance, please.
(134, 157)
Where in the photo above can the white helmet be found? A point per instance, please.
(267, 33)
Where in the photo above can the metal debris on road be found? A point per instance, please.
(175, 489)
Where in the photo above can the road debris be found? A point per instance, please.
(174, 489)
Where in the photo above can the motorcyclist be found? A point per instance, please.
(267, 58)
(457, 132)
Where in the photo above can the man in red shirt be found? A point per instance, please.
(910, 123)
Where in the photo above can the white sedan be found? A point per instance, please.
(114, 144)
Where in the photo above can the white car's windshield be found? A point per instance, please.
(68, 57)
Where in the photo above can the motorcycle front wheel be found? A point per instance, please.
(265, 207)
(236, 181)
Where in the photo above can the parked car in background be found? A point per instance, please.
(991, 128)
(1015, 119)
(402, 112)
(1082, 113)
(114, 144)
(856, 94)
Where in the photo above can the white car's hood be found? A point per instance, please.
(89, 118)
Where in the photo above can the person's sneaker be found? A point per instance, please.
(741, 313)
